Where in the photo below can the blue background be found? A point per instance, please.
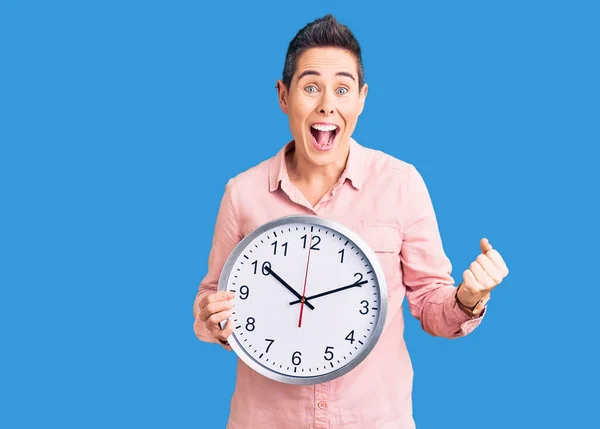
(121, 122)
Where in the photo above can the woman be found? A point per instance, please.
(323, 171)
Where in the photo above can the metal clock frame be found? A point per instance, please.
(379, 275)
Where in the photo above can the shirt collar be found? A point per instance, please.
(354, 170)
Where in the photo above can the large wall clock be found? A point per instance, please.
(310, 299)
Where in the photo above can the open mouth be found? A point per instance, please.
(323, 135)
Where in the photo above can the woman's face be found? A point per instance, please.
(323, 104)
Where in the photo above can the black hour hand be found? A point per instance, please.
(268, 269)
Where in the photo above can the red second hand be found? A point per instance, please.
(305, 277)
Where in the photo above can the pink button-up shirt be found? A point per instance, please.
(386, 202)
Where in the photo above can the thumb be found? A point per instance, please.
(485, 245)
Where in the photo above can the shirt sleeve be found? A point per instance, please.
(426, 269)
(225, 237)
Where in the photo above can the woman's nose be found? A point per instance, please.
(326, 106)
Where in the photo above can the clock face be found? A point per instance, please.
(313, 339)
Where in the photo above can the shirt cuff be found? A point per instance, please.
(465, 323)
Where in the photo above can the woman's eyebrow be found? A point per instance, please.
(346, 74)
(316, 73)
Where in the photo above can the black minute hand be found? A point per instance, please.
(357, 284)
(291, 289)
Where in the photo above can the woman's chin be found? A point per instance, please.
(322, 158)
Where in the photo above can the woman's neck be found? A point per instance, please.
(302, 172)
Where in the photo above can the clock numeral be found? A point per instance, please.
(264, 266)
(250, 324)
(255, 263)
(314, 246)
(314, 238)
(360, 277)
(328, 353)
(341, 252)
(296, 358)
(350, 337)
(365, 307)
(244, 292)
(284, 245)
(270, 344)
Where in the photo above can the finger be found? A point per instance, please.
(490, 268)
(217, 307)
(215, 297)
(483, 279)
(495, 257)
(215, 319)
(485, 245)
(226, 332)
(223, 334)
(470, 282)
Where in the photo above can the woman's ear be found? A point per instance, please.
(362, 97)
(282, 94)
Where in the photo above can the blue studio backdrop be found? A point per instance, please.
(121, 122)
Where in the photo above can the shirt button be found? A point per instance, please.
(322, 405)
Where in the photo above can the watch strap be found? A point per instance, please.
(472, 312)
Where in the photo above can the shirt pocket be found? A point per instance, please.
(385, 241)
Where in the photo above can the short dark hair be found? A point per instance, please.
(323, 32)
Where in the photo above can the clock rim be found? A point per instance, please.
(377, 269)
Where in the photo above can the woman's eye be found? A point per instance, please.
(342, 91)
(311, 88)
